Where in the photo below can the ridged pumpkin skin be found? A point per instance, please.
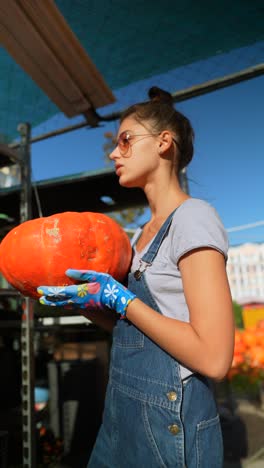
(39, 251)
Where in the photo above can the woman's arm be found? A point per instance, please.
(206, 343)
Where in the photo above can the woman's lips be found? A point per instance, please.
(118, 169)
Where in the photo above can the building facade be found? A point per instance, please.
(245, 269)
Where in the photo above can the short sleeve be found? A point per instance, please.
(197, 224)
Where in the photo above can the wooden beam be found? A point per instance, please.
(39, 39)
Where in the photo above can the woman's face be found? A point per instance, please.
(136, 158)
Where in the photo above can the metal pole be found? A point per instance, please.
(24, 148)
(178, 96)
(27, 326)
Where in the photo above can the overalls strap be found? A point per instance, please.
(152, 251)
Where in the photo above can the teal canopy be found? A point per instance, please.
(130, 41)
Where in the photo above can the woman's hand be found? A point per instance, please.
(97, 291)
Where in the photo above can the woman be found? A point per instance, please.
(178, 329)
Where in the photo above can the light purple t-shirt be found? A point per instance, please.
(195, 224)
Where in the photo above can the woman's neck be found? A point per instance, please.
(164, 197)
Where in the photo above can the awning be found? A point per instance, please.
(129, 42)
(89, 191)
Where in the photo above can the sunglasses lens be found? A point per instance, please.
(123, 143)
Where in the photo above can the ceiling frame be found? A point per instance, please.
(39, 39)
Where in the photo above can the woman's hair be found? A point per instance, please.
(162, 115)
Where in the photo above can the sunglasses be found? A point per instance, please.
(124, 141)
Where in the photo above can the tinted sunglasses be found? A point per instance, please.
(124, 141)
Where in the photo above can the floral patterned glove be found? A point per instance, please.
(99, 290)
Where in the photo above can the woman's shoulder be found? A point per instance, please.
(194, 203)
(194, 209)
(197, 224)
(196, 216)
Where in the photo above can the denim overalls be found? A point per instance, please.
(151, 418)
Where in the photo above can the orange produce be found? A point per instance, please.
(260, 336)
(237, 360)
(256, 356)
(260, 324)
(240, 348)
(238, 335)
(248, 358)
(39, 251)
(249, 338)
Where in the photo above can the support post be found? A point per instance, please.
(27, 326)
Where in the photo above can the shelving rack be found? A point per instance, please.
(27, 324)
(22, 157)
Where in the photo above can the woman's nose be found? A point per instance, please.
(114, 154)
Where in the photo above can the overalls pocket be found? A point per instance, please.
(148, 426)
(209, 435)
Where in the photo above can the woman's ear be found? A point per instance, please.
(165, 141)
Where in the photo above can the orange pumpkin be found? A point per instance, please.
(249, 338)
(238, 336)
(260, 336)
(256, 356)
(239, 348)
(39, 251)
(260, 324)
(237, 360)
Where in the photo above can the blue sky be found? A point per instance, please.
(228, 166)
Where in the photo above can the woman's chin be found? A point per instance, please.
(125, 182)
(131, 182)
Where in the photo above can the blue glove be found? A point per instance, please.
(100, 290)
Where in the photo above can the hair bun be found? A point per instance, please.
(157, 94)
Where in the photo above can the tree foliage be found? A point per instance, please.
(237, 309)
